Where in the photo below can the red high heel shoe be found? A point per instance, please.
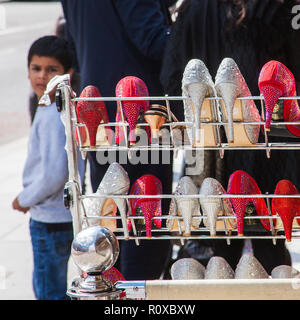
(130, 87)
(242, 183)
(276, 80)
(91, 113)
(146, 185)
(113, 275)
(286, 208)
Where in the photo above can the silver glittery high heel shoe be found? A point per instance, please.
(188, 208)
(197, 84)
(218, 268)
(250, 268)
(284, 272)
(187, 269)
(114, 182)
(212, 208)
(230, 84)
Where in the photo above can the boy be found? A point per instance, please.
(45, 174)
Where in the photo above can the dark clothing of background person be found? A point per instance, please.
(203, 30)
(114, 39)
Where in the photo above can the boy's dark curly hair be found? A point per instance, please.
(52, 46)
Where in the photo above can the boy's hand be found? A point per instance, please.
(16, 206)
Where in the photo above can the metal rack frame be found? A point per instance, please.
(74, 191)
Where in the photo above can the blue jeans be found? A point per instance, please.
(51, 244)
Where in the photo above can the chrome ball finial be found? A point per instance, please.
(95, 249)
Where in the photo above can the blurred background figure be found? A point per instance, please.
(114, 39)
(251, 32)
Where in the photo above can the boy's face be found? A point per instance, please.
(40, 71)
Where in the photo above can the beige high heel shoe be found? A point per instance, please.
(156, 116)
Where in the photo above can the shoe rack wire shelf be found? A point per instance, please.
(168, 289)
(81, 219)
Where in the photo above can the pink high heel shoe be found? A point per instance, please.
(130, 87)
(241, 183)
(91, 113)
(146, 185)
(276, 80)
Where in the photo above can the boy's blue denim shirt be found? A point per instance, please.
(46, 168)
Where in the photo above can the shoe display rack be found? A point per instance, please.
(74, 200)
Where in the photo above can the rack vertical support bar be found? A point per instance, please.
(73, 184)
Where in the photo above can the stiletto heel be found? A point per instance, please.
(188, 208)
(92, 113)
(286, 208)
(241, 183)
(156, 116)
(121, 204)
(130, 87)
(271, 95)
(276, 80)
(197, 83)
(114, 182)
(229, 92)
(146, 185)
(211, 211)
(230, 84)
(212, 207)
(197, 92)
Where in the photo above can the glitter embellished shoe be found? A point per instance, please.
(114, 182)
(218, 268)
(250, 268)
(286, 208)
(276, 80)
(148, 207)
(113, 275)
(230, 84)
(284, 272)
(197, 84)
(212, 208)
(241, 183)
(92, 113)
(187, 269)
(188, 208)
(130, 87)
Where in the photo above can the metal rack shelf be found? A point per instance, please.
(78, 210)
(91, 287)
